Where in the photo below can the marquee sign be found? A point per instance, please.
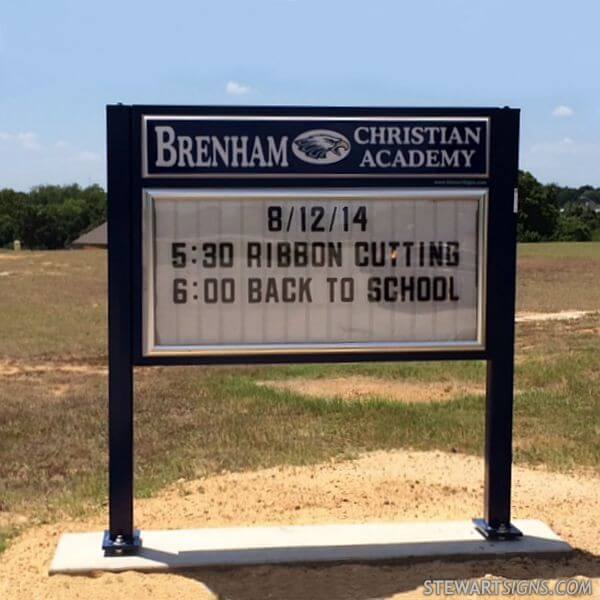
(247, 235)
(327, 270)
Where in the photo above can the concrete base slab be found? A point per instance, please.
(173, 549)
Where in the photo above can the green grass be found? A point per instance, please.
(471, 371)
(192, 422)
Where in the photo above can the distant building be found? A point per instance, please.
(95, 238)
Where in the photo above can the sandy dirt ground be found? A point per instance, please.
(360, 388)
(563, 315)
(380, 486)
(6, 256)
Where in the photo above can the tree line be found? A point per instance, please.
(549, 212)
(52, 216)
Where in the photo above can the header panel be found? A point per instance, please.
(289, 146)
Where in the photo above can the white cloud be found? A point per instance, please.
(29, 140)
(24, 139)
(566, 161)
(563, 111)
(26, 161)
(69, 150)
(86, 156)
(234, 88)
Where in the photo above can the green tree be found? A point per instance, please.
(566, 195)
(538, 209)
(11, 208)
(53, 216)
(577, 222)
(573, 229)
(590, 197)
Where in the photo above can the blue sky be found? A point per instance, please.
(61, 62)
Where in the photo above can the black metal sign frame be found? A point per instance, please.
(493, 165)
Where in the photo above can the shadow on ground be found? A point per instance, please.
(371, 581)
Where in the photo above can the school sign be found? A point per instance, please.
(264, 235)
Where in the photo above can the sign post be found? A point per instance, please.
(261, 235)
(121, 536)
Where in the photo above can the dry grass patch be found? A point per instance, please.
(53, 306)
(14, 369)
(9, 520)
(359, 388)
(553, 277)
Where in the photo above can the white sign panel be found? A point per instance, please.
(313, 270)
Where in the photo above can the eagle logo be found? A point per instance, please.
(321, 146)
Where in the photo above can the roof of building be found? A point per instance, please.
(94, 237)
